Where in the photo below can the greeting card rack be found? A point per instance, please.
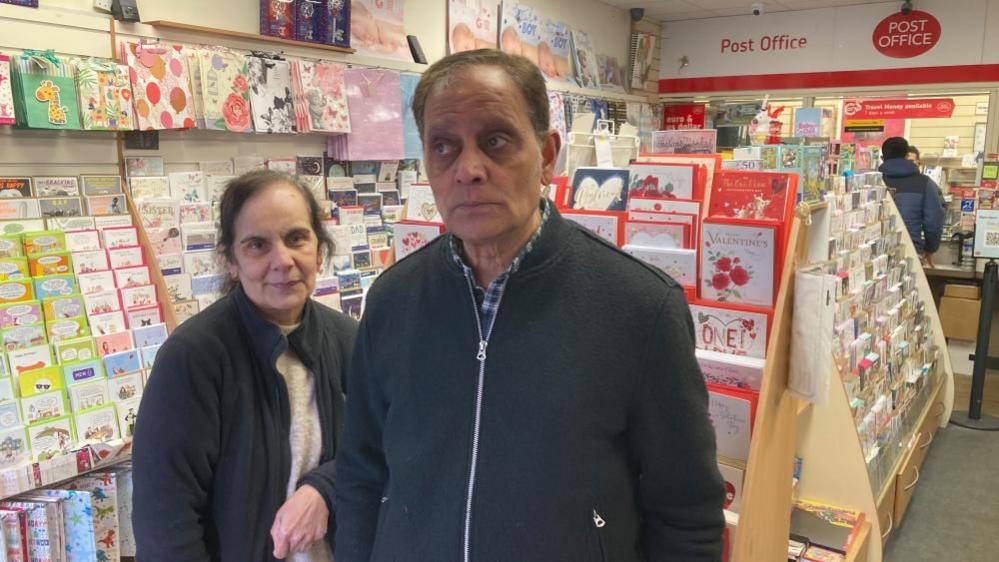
(835, 470)
(51, 472)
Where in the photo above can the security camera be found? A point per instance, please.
(637, 14)
(757, 8)
(906, 7)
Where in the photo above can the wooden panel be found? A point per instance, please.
(215, 31)
(765, 519)
(858, 550)
(905, 487)
(886, 513)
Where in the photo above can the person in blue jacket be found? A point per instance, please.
(916, 196)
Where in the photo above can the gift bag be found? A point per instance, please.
(160, 85)
(6, 94)
(339, 23)
(44, 86)
(104, 94)
(270, 95)
(225, 90)
(412, 146)
(320, 99)
(277, 18)
(375, 99)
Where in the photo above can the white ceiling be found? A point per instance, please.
(674, 10)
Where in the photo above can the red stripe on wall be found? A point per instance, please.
(847, 78)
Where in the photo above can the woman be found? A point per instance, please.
(237, 431)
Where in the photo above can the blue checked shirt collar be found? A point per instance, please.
(489, 298)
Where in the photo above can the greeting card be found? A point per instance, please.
(112, 221)
(159, 213)
(14, 268)
(108, 323)
(600, 189)
(150, 335)
(666, 181)
(733, 477)
(377, 29)
(608, 225)
(83, 240)
(97, 425)
(55, 285)
(122, 363)
(188, 187)
(131, 256)
(56, 186)
(134, 297)
(103, 302)
(30, 359)
(471, 25)
(67, 224)
(67, 329)
(724, 328)
(685, 141)
(710, 162)
(555, 52)
(60, 206)
(113, 343)
(82, 372)
(106, 205)
(80, 349)
(132, 276)
(738, 261)
(53, 263)
(16, 290)
(14, 449)
(753, 195)
(20, 314)
(14, 187)
(12, 209)
(151, 315)
(11, 246)
(142, 166)
(657, 234)
(160, 85)
(89, 262)
(412, 145)
(69, 306)
(170, 264)
(421, 205)
(678, 263)
(732, 412)
(95, 282)
(126, 386)
(731, 370)
(100, 185)
(584, 60)
(120, 237)
(149, 187)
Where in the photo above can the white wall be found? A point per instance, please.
(73, 27)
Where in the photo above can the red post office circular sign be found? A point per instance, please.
(905, 36)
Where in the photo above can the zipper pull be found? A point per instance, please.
(482, 350)
(597, 520)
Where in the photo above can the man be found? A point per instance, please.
(916, 196)
(521, 391)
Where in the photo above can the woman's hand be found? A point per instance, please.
(300, 522)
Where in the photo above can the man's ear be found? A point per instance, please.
(551, 144)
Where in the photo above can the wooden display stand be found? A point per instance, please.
(825, 436)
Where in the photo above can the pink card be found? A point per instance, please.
(114, 343)
(130, 256)
(657, 234)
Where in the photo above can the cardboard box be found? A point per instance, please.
(959, 317)
(959, 351)
(962, 291)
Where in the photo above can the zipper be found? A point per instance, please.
(481, 358)
(599, 523)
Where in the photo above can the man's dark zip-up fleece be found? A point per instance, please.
(211, 450)
(594, 441)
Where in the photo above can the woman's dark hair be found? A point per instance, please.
(246, 187)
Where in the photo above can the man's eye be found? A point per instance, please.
(442, 148)
(496, 141)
